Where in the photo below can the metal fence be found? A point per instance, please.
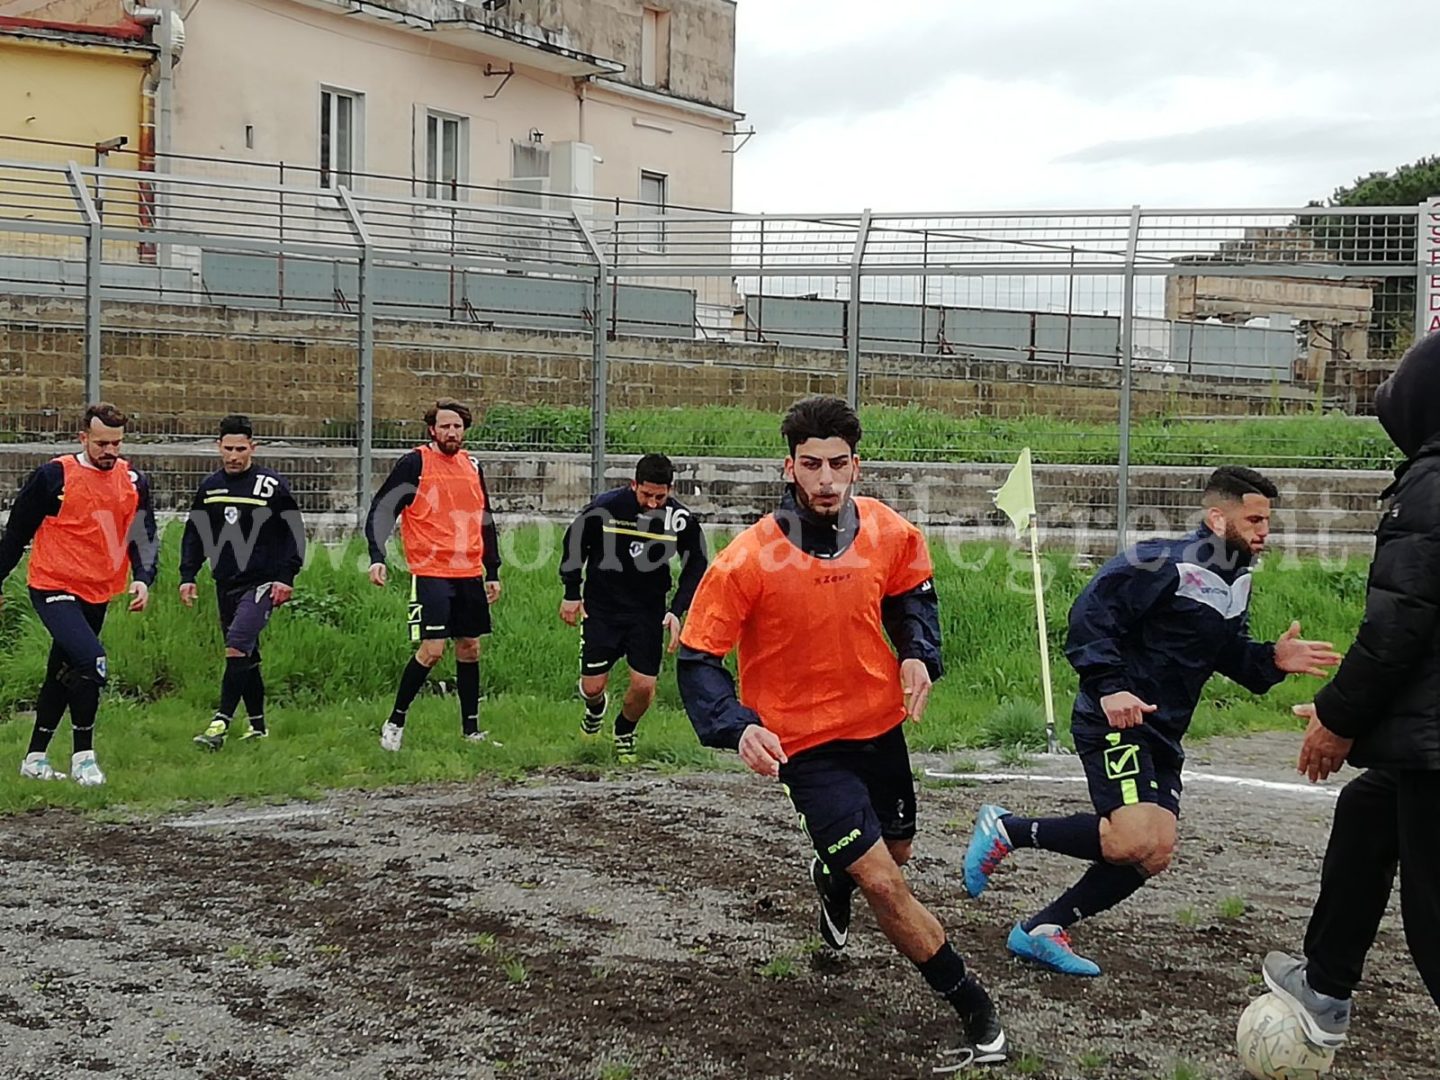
(1130, 349)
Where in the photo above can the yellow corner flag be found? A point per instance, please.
(1016, 496)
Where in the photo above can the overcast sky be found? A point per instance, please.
(991, 104)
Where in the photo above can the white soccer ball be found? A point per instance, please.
(1272, 1043)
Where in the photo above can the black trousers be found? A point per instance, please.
(1384, 819)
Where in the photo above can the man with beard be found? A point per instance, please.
(438, 492)
(1146, 634)
(91, 520)
(808, 595)
(244, 520)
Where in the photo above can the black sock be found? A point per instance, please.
(232, 685)
(411, 680)
(467, 685)
(84, 705)
(50, 706)
(624, 725)
(595, 706)
(255, 697)
(1100, 888)
(946, 974)
(1077, 835)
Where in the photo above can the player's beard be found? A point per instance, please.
(829, 513)
(449, 447)
(1237, 547)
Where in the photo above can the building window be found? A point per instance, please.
(446, 140)
(341, 124)
(655, 48)
(654, 189)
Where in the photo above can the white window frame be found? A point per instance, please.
(437, 186)
(332, 173)
(652, 237)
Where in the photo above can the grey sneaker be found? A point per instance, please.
(1324, 1018)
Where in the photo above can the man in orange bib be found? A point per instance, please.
(809, 595)
(92, 524)
(438, 492)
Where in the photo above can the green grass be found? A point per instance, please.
(1231, 908)
(915, 434)
(332, 657)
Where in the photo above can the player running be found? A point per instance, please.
(438, 492)
(1146, 634)
(809, 594)
(244, 521)
(620, 547)
(88, 514)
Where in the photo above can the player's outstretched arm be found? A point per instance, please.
(708, 691)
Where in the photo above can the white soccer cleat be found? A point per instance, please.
(37, 767)
(85, 770)
(391, 736)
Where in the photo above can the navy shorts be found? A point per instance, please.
(604, 639)
(448, 608)
(75, 625)
(244, 612)
(850, 794)
(1123, 768)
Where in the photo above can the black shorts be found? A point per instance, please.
(448, 608)
(604, 639)
(75, 625)
(244, 612)
(851, 794)
(1123, 768)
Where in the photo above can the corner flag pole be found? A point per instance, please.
(1016, 498)
(1050, 744)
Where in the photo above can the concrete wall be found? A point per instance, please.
(262, 63)
(179, 368)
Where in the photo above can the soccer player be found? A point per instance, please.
(620, 547)
(438, 492)
(244, 520)
(809, 594)
(88, 514)
(1146, 634)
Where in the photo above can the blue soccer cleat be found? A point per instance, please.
(987, 847)
(1050, 947)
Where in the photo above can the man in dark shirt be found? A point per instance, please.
(1146, 634)
(244, 521)
(621, 547)
(88, 514)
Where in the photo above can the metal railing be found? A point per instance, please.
(574, 303)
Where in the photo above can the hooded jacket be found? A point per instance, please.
(1386, 694)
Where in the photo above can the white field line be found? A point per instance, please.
(259, 817)
(1209, 778)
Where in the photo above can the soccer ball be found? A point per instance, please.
(1272, 1043)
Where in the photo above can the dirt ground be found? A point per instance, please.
(644, 926)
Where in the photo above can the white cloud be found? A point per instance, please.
(912, 105)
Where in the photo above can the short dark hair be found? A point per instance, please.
(453, 406)
(655, 469)
(820, 417)
(1231, 483)
(236, 424)
(108, 414)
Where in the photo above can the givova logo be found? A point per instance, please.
(844, 841)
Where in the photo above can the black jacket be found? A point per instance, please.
(1386, 695)
(247, 526)
(617, 557)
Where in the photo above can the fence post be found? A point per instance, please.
(1127, 349)
(1427, 243)
(599, 358)
(852, 364)
(94, 249)
(365, 367)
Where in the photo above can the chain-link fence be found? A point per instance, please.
(1131, 350)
